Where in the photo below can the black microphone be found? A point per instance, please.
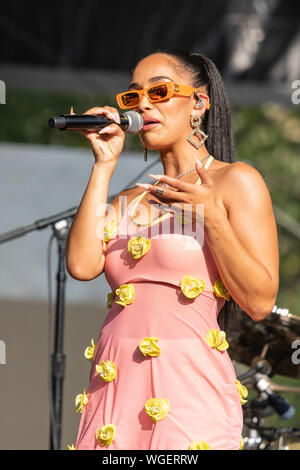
(131, 122)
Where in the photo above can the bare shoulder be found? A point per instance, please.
(240, 182)
(251, 215)
(236, 170)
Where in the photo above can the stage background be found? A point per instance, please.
(63, 54)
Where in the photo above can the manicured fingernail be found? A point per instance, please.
(143, 185)
(156, 177)
(105, 130)
(198, 162)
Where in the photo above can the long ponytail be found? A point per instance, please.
(217, 125)
(218, 119)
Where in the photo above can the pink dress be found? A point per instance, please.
(194, 379)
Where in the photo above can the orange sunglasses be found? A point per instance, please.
(154, 93)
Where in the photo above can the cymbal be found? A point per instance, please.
(273, 336)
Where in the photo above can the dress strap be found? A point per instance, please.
(207, 164)
(138, 198)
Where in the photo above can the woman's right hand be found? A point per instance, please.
(107, 144)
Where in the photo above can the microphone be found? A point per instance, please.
(131, 122)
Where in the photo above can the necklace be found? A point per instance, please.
(164, 216)
(164, 185)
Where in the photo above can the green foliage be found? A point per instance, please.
(266, 136)
(25, 118)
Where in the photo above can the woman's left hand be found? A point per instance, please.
(185, 196)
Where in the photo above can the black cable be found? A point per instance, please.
(136, 178)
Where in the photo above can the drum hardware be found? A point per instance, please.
(259, 408)
(266, 347)
(270, 339)
(284, 388)
(287, 439)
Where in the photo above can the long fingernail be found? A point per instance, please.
(143, 185)
(198, 162)
(156, 177)
(106, 130)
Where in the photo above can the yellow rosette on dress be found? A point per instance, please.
(157, 408)
(149, 347)
(107, 371)
(199, 445)
(89, 351)
(106, 434)
(71, 447)
(217, 339)
(81, 401)
(191, 286)
(126, 294)
(109, 230)
(138, 246)
(243, 392)
(220, 290)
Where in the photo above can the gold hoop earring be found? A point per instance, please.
(196, 122)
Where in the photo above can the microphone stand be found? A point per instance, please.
(57, 366)
(60, 225)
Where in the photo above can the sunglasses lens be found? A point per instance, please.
(130, 99)
(158, 93)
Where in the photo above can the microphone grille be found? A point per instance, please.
(135, 122)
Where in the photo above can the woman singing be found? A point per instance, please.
(199, 237)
